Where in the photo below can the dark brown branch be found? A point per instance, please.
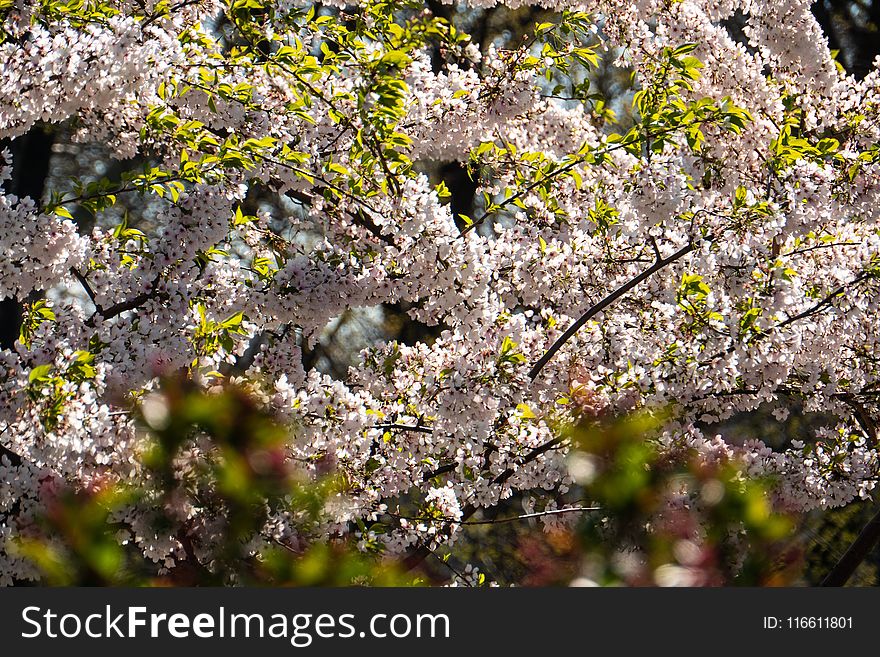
(405, 427)
(31, 158)
(359, 217)
(169, 13)
(443, 469)
(88, 288)
(565, 168)
(826, 301)
(855, 555)
(862, 418)
(14, 459)
(419, 554)
(125, 306)
(531, 456)
(244, 361)
(604, 303)
(129, 304)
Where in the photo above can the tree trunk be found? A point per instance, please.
(31, 154)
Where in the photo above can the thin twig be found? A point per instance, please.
(419, 554)
(824, 302)
(88, 288)
(498, 521)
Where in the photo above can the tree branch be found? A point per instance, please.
(405, 427)
(88, 288)
(604, 303)
(826, 301)
(855, 555)
(124, 306)
(499, 521)
(14, 458)
(419, 554)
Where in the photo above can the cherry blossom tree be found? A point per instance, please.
(713, 251)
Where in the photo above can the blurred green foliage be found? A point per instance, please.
(660, 516)
(676, 516)
(219, 452)
(664, 516)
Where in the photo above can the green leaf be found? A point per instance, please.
(61, 211)
(526, 412)
(443, 192)
(40, 372)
